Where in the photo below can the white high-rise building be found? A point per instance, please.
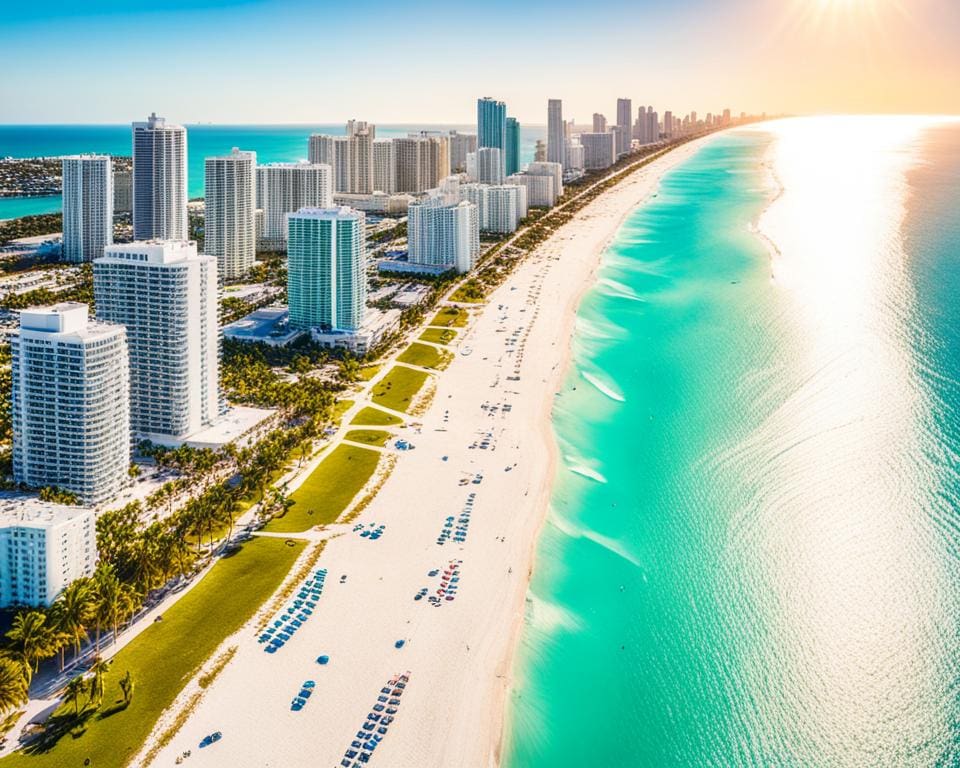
(87, 206)
(335, 152)
(489, 165)
(574, 155)
(548, 169)
(165, 294)
(43, 547)
(541, 192)
(556, 144)
(284, 188)
(361, 137)
(159, 180)
(668, 126)
(229, 221)
(443, 232)
(599, 123)
(327, 269)
(599, 150)
(499, 208)
(384, 166)
(70, 402)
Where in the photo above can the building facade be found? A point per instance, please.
(43, 547)
(122, 190)
(87, 206)
(556, 140)
(159, 180)
(441, 232)
(70, 402)
(492, 124)
(230, 202)
(599, 150)
(511, 162)
(489, 165)
(284, 188)
(541, 192)
(421, 162)
(326, 269)
(384, 166)
(165, 294)
(461, 144)
(625, 124)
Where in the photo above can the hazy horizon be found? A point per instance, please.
(240, 61)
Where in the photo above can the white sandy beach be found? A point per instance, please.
(458, 654)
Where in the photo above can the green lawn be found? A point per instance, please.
(439, 335)
(397, 388)
(368, 436)
(425, 356)
(163, 659)
(451, 317)
(376, 418)
(368, 372)
(328, 491)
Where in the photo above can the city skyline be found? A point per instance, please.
(858, 55)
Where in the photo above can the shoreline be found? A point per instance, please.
(587, 283)
(499, 392)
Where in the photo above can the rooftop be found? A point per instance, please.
(22, 509)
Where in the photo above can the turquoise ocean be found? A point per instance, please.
(272, 143)
(752, 556)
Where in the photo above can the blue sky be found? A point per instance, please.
(290, 61)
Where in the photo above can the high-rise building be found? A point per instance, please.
(548, 169)
(725, 119)
(231, 202)
(511, 162)
(361, 136)
(335, 152)
(489, 165)
(165, 294)
(499, 208)
(43, 547)
(668, 126)
(599, 123)
(284, 188)
(70, 402)
(443, 232)
(422, 161)
(556, 141)
(599, 150)
(461, 144)
(326, 269)
(541, 192)
(159, 180)
(87, 206)
(540, 152)
(492, 125)
(573, 152)
(625, 124)
(384, 166)
(653, 126)
(122, 190)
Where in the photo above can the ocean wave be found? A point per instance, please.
(618, 289)
(550, 618)
(574, 531)
(587, 472)
(605, 388)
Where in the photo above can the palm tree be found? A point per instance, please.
(74, 691)
(73, 610)
(126, 687)
(98, 670)
(107, 588)
(32, 639)
(13, 684)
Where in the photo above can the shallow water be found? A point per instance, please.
(767, 575)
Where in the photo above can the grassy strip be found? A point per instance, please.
(397, 388)
(425, 356)
(329, 489)
(341, 407)
(291, 585)
(368, 436)
(439, 335)
(368, 372)
(161, 660)
(376, 418)
(451, 317)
